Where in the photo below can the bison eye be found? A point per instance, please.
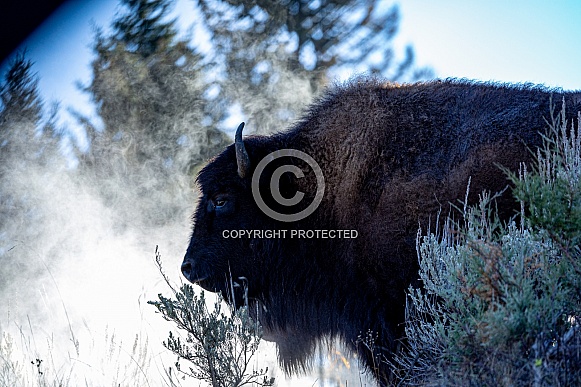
(219, 201)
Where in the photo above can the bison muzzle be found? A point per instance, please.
(392, 158)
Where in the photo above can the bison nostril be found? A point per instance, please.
(187, 269)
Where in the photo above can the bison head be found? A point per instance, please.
(212, 261)
(223, 254)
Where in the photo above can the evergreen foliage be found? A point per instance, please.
(147, 86)
(19, 94)
(23, 135)
(272, 56)
(27, 143)
(501, 304)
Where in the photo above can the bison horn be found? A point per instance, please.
(241, 155)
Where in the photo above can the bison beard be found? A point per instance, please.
(393, 157)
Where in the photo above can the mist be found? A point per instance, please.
(75, 283)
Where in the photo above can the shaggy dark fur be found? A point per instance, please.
(392, 157)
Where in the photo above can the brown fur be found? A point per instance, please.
(392, 157)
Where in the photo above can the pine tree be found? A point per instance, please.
(273, 56)
(21, 109)
(148, 88)
(25, 140)
(27, 145)
(19, 117)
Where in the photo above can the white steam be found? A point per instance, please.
(75, 285)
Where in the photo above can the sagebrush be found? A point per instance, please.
(501, 302)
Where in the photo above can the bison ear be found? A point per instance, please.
(242, 158)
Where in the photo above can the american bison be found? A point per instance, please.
(391, 157)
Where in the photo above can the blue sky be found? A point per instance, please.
(509, 41)
(513, 41)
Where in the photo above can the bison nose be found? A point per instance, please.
(187, 270)
(192, 271)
